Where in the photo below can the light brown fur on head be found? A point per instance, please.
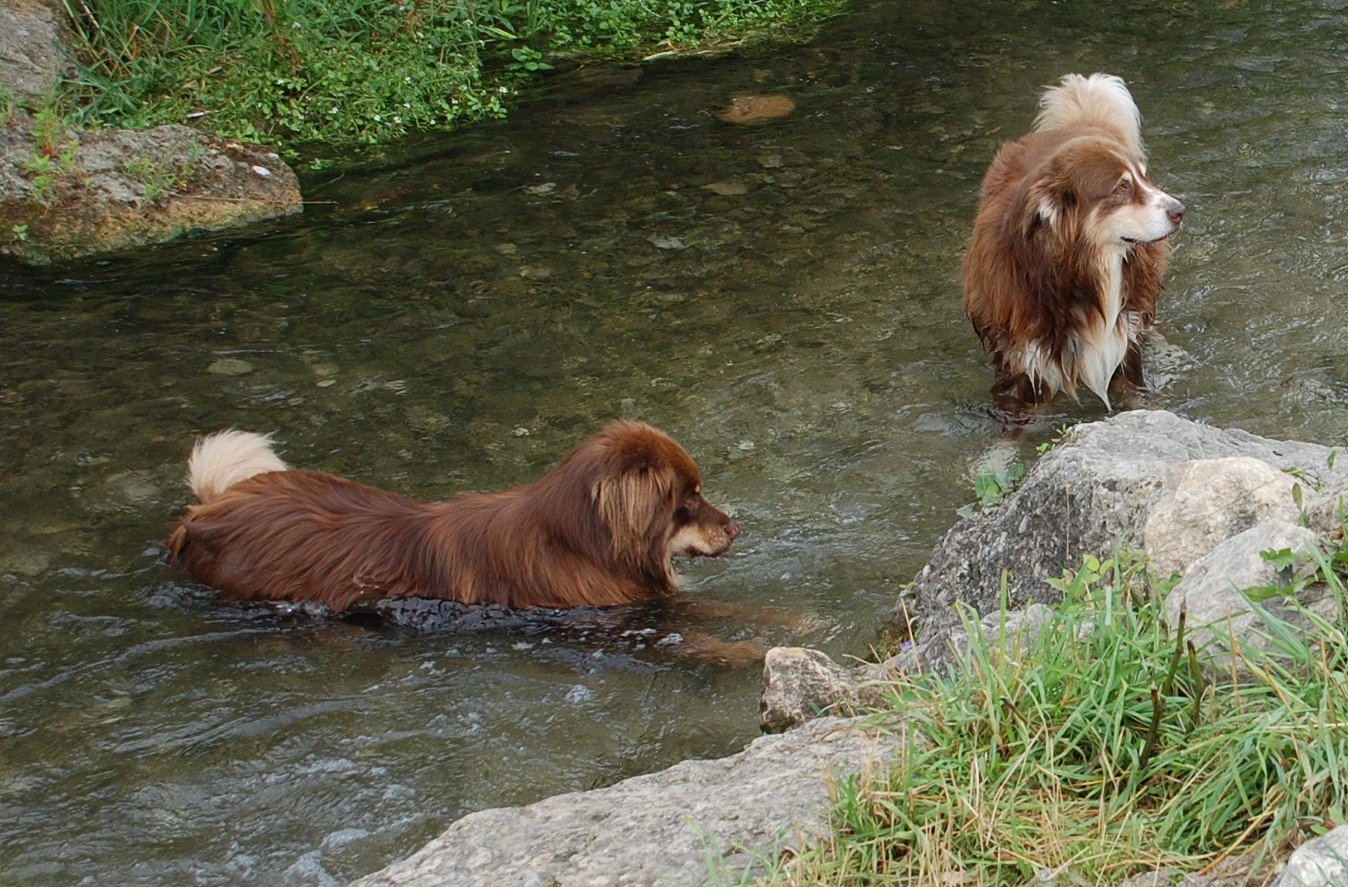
(598, 530)
(1064, 266)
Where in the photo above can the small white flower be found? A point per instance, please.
(377, 118)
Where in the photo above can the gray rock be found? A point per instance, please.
(1205, 502)
(1326, 508)
(799, 684)
(681, 825)
(1090, 495)
(31, 56)
(1213, 590)
(119, 188)
(1233, 871)
(1008, 634)
(1322, 862)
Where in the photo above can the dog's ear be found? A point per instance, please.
(632, 504)
(1047, 202)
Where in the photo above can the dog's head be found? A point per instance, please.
(646, 498)
(1091, 188)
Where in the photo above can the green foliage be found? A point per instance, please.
(48, 166)
(993, 487)
(290, 71)
(1101, 748)
(9, 104)
(159, 176)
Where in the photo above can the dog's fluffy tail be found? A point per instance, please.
(1100, 100)
(220, 460)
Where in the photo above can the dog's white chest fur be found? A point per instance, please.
(1095, 350)
(1102, 343)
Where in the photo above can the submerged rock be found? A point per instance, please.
(747, 107)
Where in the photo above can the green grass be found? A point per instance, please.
(1102, 749)
(362, 71)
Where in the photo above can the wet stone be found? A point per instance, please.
(756, 108)
(230, 366)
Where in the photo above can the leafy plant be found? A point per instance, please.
(44, 170)
(159, 178)
(993, 487)
(527, 59)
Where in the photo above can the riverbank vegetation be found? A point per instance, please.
(340, 71)
(1105, 748)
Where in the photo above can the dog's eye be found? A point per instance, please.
(1124, 187)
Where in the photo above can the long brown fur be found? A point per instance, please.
(1037, 268)
(598, 530)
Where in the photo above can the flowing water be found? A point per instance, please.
(457, 313)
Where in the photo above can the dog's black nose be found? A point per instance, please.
(1175, 212)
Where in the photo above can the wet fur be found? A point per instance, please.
(598, 530)
(1064, 266)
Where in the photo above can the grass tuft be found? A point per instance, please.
(1103, 749)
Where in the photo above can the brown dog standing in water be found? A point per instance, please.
(1064, 267)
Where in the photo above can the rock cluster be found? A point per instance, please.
(1200, 501)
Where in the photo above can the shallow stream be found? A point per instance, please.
(455, 313)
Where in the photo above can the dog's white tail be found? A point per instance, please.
(1100, 100)
(220, 460)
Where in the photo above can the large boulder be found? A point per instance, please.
(103, 190)
(32, 58)
(1093, 494)
(682, 825)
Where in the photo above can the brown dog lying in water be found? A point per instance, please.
(599, 530)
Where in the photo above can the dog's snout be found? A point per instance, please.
(732, 529)
(1175, 212)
